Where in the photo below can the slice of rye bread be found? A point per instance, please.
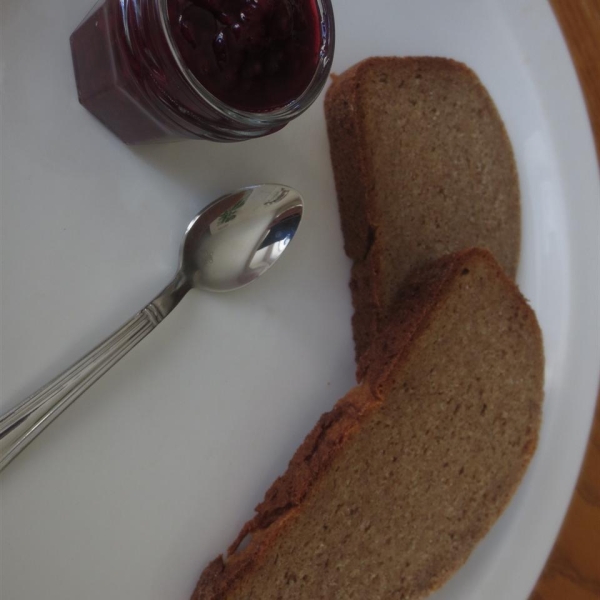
(423, 167)
(391, 491)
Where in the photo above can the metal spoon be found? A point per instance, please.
(232, 242)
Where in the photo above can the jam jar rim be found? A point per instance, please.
(272, 118)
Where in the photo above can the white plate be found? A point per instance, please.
(152, 473)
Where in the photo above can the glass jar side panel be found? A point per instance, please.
(106, 81)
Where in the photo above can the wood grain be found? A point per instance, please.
(573, 569)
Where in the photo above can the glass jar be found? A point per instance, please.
(132, 76)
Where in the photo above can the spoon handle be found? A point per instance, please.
(25, 422)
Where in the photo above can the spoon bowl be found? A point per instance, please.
(229, 244)
(238, 237)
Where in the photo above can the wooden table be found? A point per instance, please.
(573, 569)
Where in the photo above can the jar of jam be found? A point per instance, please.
(223, 70)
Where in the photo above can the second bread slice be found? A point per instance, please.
(392, 489)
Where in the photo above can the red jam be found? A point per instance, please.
(150, 70)
(254, 55)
